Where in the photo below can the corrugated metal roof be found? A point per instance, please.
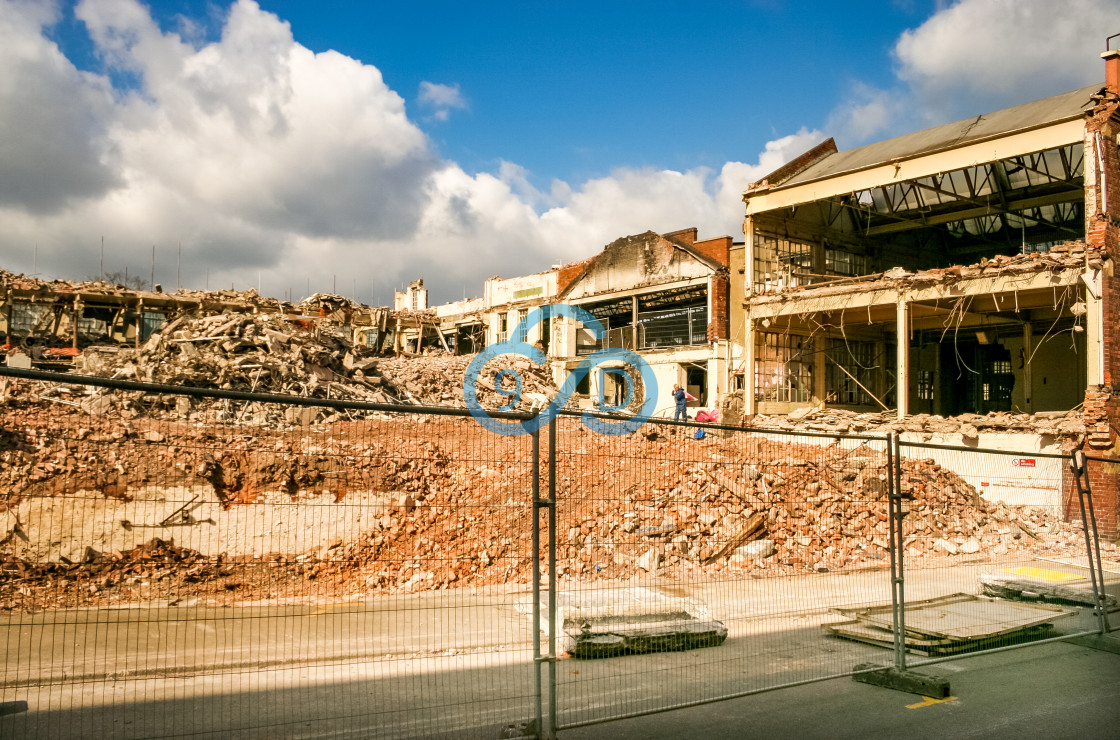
(1064, 107)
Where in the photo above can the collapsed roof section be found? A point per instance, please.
(1004, 183)
(947, 271)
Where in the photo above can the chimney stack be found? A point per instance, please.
(1112, 70)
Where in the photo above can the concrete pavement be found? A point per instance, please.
(459, 664)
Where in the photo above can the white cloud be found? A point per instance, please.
(54, 151)
(441, 98)
(981, 55)
(867, 112)
(977, 56)
(302, 170)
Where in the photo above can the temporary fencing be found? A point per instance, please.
(224, 578)
(187, 562)
(743, 540)
(986, 554)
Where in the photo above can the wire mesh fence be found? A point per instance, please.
(704, 569)
(990, 555)
(363, 573)
(178, 563)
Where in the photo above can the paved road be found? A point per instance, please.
(1051, 691)
(459, 664)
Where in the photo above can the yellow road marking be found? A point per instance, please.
(1044, 574)
(929, 701)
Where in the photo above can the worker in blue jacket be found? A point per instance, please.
(681, 396)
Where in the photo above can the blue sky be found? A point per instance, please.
(576, 89)
(291, 143)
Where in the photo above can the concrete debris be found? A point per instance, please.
(1071, 254)
(1026, 588)
(602, 623)
(952, 624)
(438, 379)
(446, 520)
(267, 353)
(1057, 424)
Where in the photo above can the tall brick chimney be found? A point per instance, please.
(1112, 69)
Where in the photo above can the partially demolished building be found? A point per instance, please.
(664, 296)
(964, 269)
(45, 322)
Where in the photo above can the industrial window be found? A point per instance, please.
(27, 317)
(925, 385)
(687, 325)
(781, 262)
(503, 326)
(150, 323)
(783, 368)
(850, 365)
(839, 262)
(668, 318)
(998, 381)
(522, 330)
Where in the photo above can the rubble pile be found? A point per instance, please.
(261, 353)
(437, 380)
(266, 353)
(119, 573)
(794, 507)
(248, 297)
(1067, 424)
(439, 502)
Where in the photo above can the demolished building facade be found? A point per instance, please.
(964, 269)
(663, 296)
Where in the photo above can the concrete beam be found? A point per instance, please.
(853, 298)
(902, 359)
(908, 681)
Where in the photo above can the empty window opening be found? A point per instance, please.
(784, 368)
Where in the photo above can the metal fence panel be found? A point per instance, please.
(167, 577)
(991, 557)
(697, 569)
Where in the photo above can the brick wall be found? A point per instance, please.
(718, 249)
(1102, 230)
(567, 273)
(719, 319)
(1103, 479)
(685, 236)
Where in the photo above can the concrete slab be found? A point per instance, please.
(604, 622)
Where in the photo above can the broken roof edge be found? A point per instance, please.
(711, 263)
(794, 167)
(1053, 110)
(589, 263)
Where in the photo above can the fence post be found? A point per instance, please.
(541, 730)
(896, 514)
(1080, 471)
(552, 583)
(536, 526)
